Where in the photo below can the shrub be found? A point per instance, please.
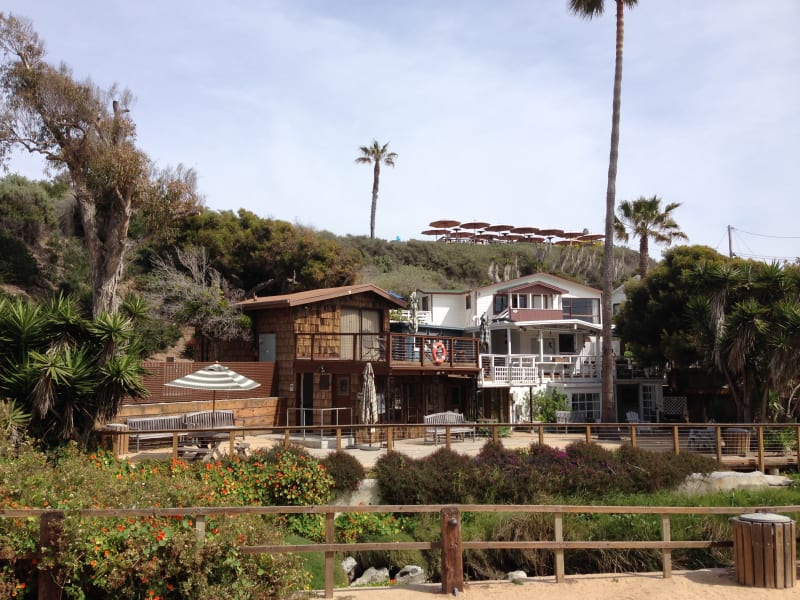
(446, 477)
(397, 478)
(345, 470)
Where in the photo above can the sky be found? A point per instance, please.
(499, 111)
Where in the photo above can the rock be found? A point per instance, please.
(514, 575)
(372, 576)
(724, 481)
(349, 565)
(410, 574)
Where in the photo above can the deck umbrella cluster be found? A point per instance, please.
(481, 232)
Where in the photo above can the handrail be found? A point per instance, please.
(451, 543)
(678, 436)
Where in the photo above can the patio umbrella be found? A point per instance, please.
(369, 400)
(444, 223)
(498, 228)
(216, 378)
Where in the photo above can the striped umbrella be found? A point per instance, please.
(216, 378)
(369, 399)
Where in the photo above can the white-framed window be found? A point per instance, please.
(588, 403)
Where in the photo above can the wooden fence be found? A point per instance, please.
(450, 543)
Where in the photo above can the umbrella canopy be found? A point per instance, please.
(474, 225)
(216, 378)
(369, 399)
(444, 223)
(435, 232)
(498, 228)
(591, 237)
(525, 230)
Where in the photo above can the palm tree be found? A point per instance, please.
(590, 9)
(644, 219)
(376, 154)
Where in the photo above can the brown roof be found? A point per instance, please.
(319, 295)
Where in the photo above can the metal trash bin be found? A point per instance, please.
(737, 441)
(764, 550)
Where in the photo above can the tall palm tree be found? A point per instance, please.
(376, 154)
(589, 9)
(643, 218)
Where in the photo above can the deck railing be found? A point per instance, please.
(451, 543)
(397, 349)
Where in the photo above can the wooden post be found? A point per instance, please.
(338, 438)
(286, 439)
(760, 448)
(666, 553)
(452, 566)
(495, 434)
(633, 436)
(676, 440)
(797, 445)
(200, 528)
(447, 439)
(541, 436)
(174, 445)
(389, 439)
(50, 526)
(588, 434)
(232, 443)
(329, 555)
(559, 535)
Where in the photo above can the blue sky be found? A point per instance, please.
(499, 111)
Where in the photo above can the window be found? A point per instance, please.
(542, 301)
(519, 301)
(467, 301)
(584, 309)
(588, 403)
(426, 303)
(500, 303)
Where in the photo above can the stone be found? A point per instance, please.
(514, 575)
(372, 576)
(410, 574)
(725, 481)
(349, 565)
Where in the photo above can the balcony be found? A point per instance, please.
(398, 350)
(532, 369)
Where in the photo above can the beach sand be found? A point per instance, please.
(706, 584)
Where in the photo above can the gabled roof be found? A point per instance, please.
(319, 295)
(536, 278)
(532, 286)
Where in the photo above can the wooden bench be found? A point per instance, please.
(158, 429)
(459, 426)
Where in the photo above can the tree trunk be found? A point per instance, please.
(375, 179)
(608, 366)
(644, 255)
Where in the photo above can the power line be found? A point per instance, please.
(766, 235)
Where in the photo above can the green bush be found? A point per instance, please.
(345, 470)
(396, 476)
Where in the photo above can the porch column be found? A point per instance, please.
(541, 346)
(508, 341)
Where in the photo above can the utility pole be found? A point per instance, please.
(730, 242)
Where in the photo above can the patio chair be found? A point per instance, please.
(633, 417)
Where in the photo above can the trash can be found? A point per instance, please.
(118, 442)
(764, 550)
(737, 441)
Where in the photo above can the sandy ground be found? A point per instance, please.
(707, 584)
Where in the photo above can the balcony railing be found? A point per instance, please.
(397, 349)
(533, 369)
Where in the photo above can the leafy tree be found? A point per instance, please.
(27, 211)
(590, 9)
(645, 219)
(66, 371)
(82, 131)
(375, 154)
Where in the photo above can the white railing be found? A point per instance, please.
(531, 369)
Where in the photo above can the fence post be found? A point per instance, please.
(666, 535)
(329, 554)
(559, 537)
(541, 434)
(200, 528)
(588, 434)
(287, 440)
(174, 445)
(760, 448)
(51, 523)
(452, 567)
(633, 436)
(676, 440)
(797, 445)
(389, 439)
(495, 434)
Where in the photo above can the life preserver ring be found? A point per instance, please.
(438, 353)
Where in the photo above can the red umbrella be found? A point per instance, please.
(461, 234)
(590, 237)
(436, 232)
(525, 230)
(551, 232)
(444, 223)
(513, 237)
(474, 225)
(498, 228)
(572, 234)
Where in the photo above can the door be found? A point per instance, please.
(266, 347)
(650, 402)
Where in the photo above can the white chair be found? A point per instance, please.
(633, 417)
